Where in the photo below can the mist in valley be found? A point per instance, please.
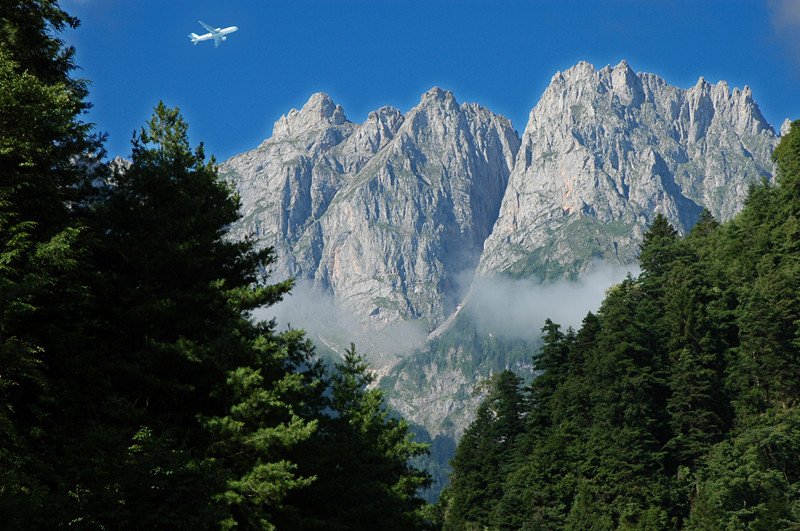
(508, 308)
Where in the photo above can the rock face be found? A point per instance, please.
(393, 217)
(387, 215)
(605, 151)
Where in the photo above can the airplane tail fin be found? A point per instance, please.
(194, 37)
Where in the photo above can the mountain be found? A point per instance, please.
(384, 216)
(606, 150)
(400, 222)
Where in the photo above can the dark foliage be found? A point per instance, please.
(676, 406)
(136, 390)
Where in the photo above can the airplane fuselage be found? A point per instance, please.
(217, 34)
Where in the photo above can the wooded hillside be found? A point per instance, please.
(674, 407)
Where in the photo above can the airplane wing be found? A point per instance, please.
(207, 27)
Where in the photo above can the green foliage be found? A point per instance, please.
(787, 160)
(587, 235)
(361, 457)
(676, 406)
(42, 144)
(473, 352)
(136, 392)
(752, 480)
(482, 459)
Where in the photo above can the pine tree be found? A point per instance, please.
(765, 373)
(676, 406)
(752, 479)
(43, 147)
(196, 408)
(538, 487)
(787, 161)
(360, 457)
(551, 364)
(624, 446)
(484, 453)
(659, 249)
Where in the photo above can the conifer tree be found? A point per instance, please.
(676, 406)
(44, 145)
(698, 406)
(360, 457)
(197, 402)
(752, 479)
(766, 372)
(136, 391)
(480, 465)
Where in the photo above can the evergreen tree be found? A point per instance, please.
(765, 374)
(676, 406)
(43, 144)
(360, 457)
(542, 477)
(135, 389)
(752, 480)
(659, 250)
(483, 456)
(697, 335)
(787, 162)
(196, 402)
(625, 442)
(552, 364)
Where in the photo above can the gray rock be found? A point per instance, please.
(387, 215)
(605, 151)
(786, 127)
(394, 217)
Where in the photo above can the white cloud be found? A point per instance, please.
(786, 12)
(517, 309)
(323, 320)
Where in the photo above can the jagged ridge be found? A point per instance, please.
(390, 216)
(385, 215)
(605, 151)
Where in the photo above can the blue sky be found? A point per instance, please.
(369, 53)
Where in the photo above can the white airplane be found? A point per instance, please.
(218, 34)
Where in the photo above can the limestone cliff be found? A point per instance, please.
(606, 150)
(392, 218)
(385, 215)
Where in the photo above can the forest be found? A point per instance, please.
(675, 406)
(137, 391)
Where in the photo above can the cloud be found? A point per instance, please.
(327, 322)
(786, 13)
(514, 309)
(517, 309)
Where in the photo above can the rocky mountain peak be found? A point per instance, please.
(786, 127)
(383, 216)
(386, 115)
(393, 218)
(624, 84)
(611, 148)
(319, 112)
(436, 98)
(436, 94)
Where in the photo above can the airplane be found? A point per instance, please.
(218, 34)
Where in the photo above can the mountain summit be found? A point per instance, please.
(606, 150)
(385, 216)
(393, 218)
